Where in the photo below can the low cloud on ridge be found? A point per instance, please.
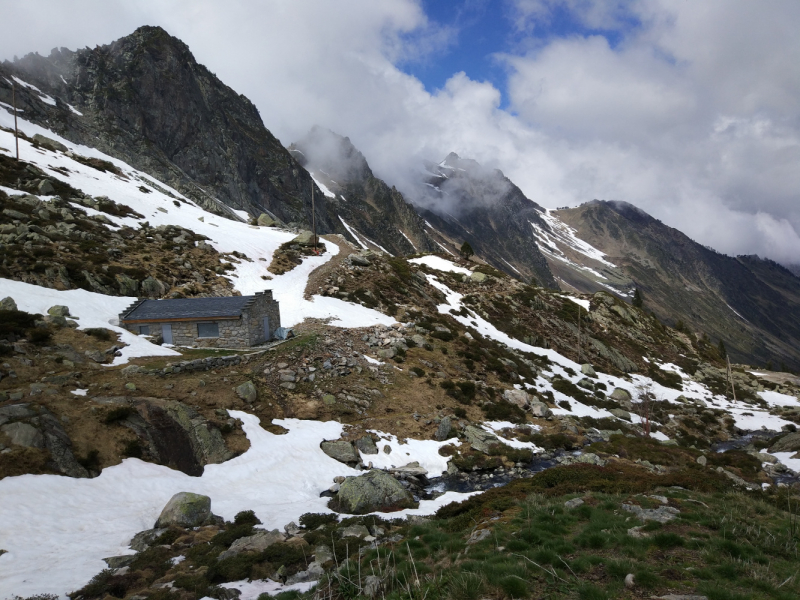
(689, 112)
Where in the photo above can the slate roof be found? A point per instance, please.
(188, 308)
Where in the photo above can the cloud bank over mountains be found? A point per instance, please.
(686, 109)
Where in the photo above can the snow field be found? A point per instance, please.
(280, 477)
(440, 264)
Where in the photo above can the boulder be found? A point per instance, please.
(142, 540)
(247, 392)
(359, 260)
(8, 303)
(257, 542)
(373, 491)
(342, 451)
(49, 143)
(574, 503)
(185, 509)
(46, 188)
(444, 429)
(59, 310)
(127, 285)
(366, 445)
(622, 414)
(662, 514)
(518, 397)
(153, 288)
(358, 531)
(788, 443)
(411, 469)
(541, 410)
(480, 439)
(264, 220)
(620, 395)
(478, 277)
(23, 434)
(588, 370)
(305, 238)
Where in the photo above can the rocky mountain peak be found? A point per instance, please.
(322, 150)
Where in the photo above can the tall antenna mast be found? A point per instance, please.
(14, 102)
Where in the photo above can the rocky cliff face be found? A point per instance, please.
(146, 100)
(376, 213)
(745, 301)
(467, 202)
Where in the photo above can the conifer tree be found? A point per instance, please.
(637, 298)
(466, 250)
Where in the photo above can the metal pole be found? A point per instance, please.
(14, 102)
(314, 217)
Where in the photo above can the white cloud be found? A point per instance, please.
(691, 114)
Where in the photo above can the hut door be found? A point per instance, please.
(166, 333)
(267, 336)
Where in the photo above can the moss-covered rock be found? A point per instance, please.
(373, 491)
(185, 509)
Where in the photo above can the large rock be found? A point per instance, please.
(264, 220)
(373, 491)
(305, 238)
(45, 187)
(366, 445)
(185, 509)
(247, 392)
(478, 277)
(359, 260)
(24, 434)
(588, 370)
(540, 409)
(444, 429)
(788, 443)
(257, 542)
(49, 142)
(8, 303)
(620, 413)
(59, 310)
(153, 288)
(127, 285)
(518, 397)
(342, 451)
(480, 439)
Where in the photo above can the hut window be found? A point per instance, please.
(208, 330)
(144, 329)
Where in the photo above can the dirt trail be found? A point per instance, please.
(318, 275)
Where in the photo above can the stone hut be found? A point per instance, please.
(232, 322)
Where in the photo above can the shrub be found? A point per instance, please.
(314, 520)
(246, 517)
(120, 413)
(38, 336)
(133, 449)
(503, 411)
(100, 333)
(418, 372)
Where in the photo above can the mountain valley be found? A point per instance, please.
(591, 405)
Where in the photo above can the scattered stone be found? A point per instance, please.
(358, 531)
(342, 451)
(478, 277)
(23, 434)
(622, 414)
(638, 532)
(8, 303)
(630, 581)
(702, 460)
(517, 397)
(366, 445)
(118, 562)
(130, 386)
(58, 310)
(788, 443)
(257, 542)
(662, 514)
(264, 220)
(373, 491)
(142, 540)
(247, 392)
(588, 370)
(479, 439)
(359, 260)
(479, 535)
(411, 469)
(574, 503)
(444, 429)
(329, 399)
(185, 509)
(372, 586)
(46, 188)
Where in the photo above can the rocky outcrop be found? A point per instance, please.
(173, 433)
(342, 451)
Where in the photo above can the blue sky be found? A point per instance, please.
(478, 30)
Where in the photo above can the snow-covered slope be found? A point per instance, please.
(162, 205)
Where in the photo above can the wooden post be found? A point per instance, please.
(579, 333)
(14, 102)
(730, 377)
